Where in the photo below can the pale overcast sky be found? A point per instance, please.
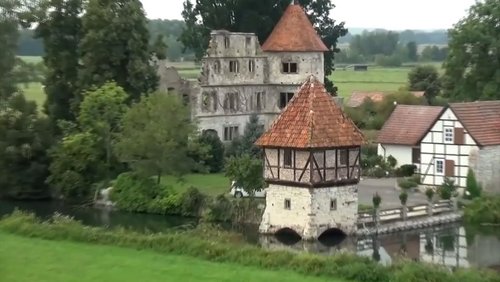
(388, 14)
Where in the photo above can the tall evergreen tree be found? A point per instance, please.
(260, 17)
(60, 30)
(24, 140)
(9, 35)
(115, 46)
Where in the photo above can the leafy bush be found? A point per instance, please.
(135, 193)
(447, 189)
(376, 200)
(473, 189)
(403, 197)
(406, 170)
(429, 193)
(483, 210)
(392, 161)
(407, 183)
(219, 209)
(191, 202)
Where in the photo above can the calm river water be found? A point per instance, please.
(452, 246)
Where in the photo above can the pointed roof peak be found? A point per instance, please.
(312, 120)
(294, 33)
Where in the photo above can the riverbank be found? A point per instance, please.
(222, 247)
(32, 259)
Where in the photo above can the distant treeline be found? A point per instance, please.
(389, 48)
(170, 29)
(436, 37)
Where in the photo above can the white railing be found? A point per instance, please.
(396, 214)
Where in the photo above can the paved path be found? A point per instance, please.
(385, 187)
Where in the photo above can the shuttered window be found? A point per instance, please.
(449, 168)
(459, 136)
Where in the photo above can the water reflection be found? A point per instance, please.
(448, 246)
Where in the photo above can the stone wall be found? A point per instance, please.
(310, 213)
(486, 165)
(308, 63)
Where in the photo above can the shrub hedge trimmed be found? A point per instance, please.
(220, 246)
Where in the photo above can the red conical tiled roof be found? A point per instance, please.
(312, 120)
(294, 33)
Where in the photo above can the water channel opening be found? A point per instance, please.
(287, 236)
(332, 237)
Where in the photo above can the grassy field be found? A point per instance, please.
(29, 259)
(31, 59)
(210, 184)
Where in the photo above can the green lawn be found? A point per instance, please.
(29, 259)
(210, 184)
(375, 79)
(33, 91)
(31, 59)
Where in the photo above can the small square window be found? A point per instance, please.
(333, 204)
(230, 133)
(288, 204)
(287, 158)
(233, 66)
(285, 97)
(448, 135)
(439, 166)
(289, 67)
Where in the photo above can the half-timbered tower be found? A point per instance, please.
(312, 166)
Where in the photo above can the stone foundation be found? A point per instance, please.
(310, 212)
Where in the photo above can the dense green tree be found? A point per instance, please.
(115, 46)
(434, 53)
(260, 17)
(473, 62)
(59, 27)
(101, 114)
(77, 166)
(24, 139)
(425, 78)
(159, 48)
(9, 35)
(154, 139)
(171, 30)
(215, 163)
(245, 144)
(412, 51)
(88, 143)
(246, 171)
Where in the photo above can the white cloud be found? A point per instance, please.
(389, 14)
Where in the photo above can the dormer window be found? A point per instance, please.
(226, 42)
(289, 67)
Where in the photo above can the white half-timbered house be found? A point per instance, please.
(466, 135)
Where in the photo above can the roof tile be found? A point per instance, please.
(294, 33)
(312, 120)
(481, 119)
(408, 124)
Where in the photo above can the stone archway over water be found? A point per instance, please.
(332, 237)
(287, 236)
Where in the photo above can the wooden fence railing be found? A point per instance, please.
(396, 214)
